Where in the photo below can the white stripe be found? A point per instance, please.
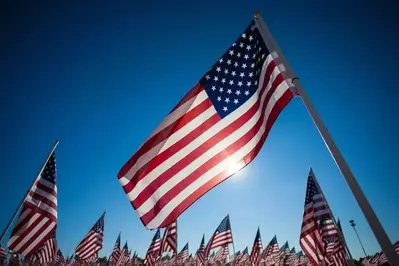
(41, 236)
(222, 145)
(307, 248)
(228, 120)
(31, 232)
(16, 236)
(232, 160)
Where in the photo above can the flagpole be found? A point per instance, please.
(234, 250)
(342, 165)
(332, 216)
(27, 192)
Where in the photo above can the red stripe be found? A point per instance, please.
(215, 160)
(46, 189)
(43, 199)
(157, 138)
(164, 177)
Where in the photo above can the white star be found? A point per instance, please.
(256, 82)
(244, 36)
(221, 60)
(246, 56)
(207, 77)
(231, 52)
(248, 47)
(260, 48)
(251, 38)
(263, 56)
(236, 64)
(213, 88)
(251, 74)
(231, 82)
(246, 93)
(239, 83)
(221, 89)
(254, 55)
(216, 78)
(238, 92)
(219, 98)
(249, 83)
(229, 62)
(226, 71)
(241, 45)
(236, 101)
(218, 69)
(242, 74)
(244, 66)
(252, 65)
(223, 80)
(225, 108)
(238, 55)
(229, 91)
(227, 100)
(233, 73)
(234, 44)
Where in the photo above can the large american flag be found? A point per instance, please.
(48, 252)
(92, 242)
(116, 252)
(38, 219)
(200, 256)
(222, 236)
(153, 252)
(169, 239)
(256, 249)
(214, 131)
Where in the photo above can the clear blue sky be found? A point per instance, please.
(100, 76)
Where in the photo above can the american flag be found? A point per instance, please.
(256, 249)
(48, 252)
(92, 242)
(59, 259)
(38, 219)
(183, 254)
(222, 236)
(335, 254)
(14, 259)
(216, 129)
(271, 254)
(125, 256)
(153, 252)
(222, 254)
(285, 250)
(3, 254)
(169, 240)
(316, 210)
(244, 257)
(93, 258)
(200, 256)
(116, 252)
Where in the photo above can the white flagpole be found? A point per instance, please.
(361, 199)
(27, 192)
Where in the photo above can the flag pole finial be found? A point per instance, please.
(256, 14)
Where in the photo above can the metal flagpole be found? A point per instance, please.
(27, 192)
(361, 199)
(332, 216)
(232, 240)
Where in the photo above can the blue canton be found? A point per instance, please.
(311, 190)
(99, 225)
(49, 171)
(224, 225)
(235, 76)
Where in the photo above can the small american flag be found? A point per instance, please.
(183, 254)
(169, 240)
(244, 257)
(59, 259)
(216, 129)
(116, 252)
(153, 252)
(222, 236)
(90, 245)
(200, 256)
(335, 251)
(38, 219)
(222, 254)
(311, 240)
(48, 252)
(256, 249)
(125, 256)
(271, 254)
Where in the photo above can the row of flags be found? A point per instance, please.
(217, 128)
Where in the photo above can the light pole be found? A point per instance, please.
(353, 224)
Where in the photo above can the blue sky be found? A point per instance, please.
(100, 76)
